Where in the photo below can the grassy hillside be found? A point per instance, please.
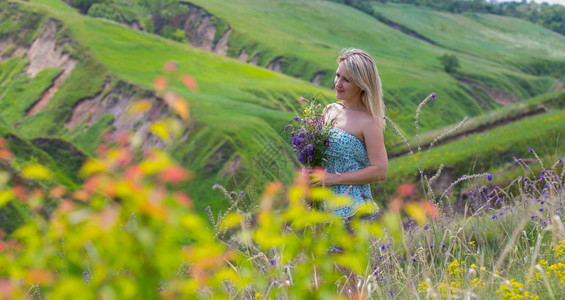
(235, 136)
(239, 110)
(309, 34)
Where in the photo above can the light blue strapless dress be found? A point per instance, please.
(346, 154)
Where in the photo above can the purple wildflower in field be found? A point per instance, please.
(496, 187)
(443, 246)
(498, 199)
(489, 177)
(287, 127)
(391, 293)
(297, 119)
(434, 95)
(431, 246)
(272, 262)
(414, 259)
(501, 213)
(561, 159)
(216, 185)
(541, 209)
(242, 194)
(532, 217)
(531, 150)
(494, 216)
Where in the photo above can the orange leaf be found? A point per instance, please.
(175, 174)
(39, 276)
(406, 189)
(19, 191)
(183, 199)
(5, 154)
(133, 173)
(431, 209)
(171, 66)
(81, 195)
(190, 83)
(154, 209)
(180, 106)
(57, 192)
(160, 84)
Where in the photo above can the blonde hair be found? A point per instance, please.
(363, 71)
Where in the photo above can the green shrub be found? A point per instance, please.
(450, 62)
(174, 34)
(105, 11)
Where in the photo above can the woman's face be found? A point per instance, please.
(345, 88)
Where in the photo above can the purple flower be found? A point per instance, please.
(561, 159)
(242, 194)
(297, 118)
(494, 216)
(541, 209)
(489, 177)
(501, 213)
(287, 127)
(434, 95)
(431, 246)
(442, 245)
(216, 185)
(272, 262)
(310, 147)
(531, 150)
(85, 273)
(499, 199)
(391, 293)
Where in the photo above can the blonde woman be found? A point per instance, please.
(357, 154)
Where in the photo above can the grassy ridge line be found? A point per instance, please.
(315, 31)
(486, 151)
(497, 37)
(555, 100)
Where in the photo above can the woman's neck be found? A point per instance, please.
(354, 104)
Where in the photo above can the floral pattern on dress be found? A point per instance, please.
(347, 153)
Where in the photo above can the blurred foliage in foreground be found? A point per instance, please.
(127, 232)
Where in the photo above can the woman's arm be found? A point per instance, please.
(378, 160)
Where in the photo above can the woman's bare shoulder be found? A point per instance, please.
(367, 120)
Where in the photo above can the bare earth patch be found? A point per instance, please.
(317, 78)
(42, 54)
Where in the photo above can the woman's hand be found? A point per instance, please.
(320, 177)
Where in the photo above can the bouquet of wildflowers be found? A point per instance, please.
(310, 135)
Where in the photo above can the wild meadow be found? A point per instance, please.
(129, 232)
(90, 212)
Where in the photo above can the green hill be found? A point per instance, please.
(58, 108)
